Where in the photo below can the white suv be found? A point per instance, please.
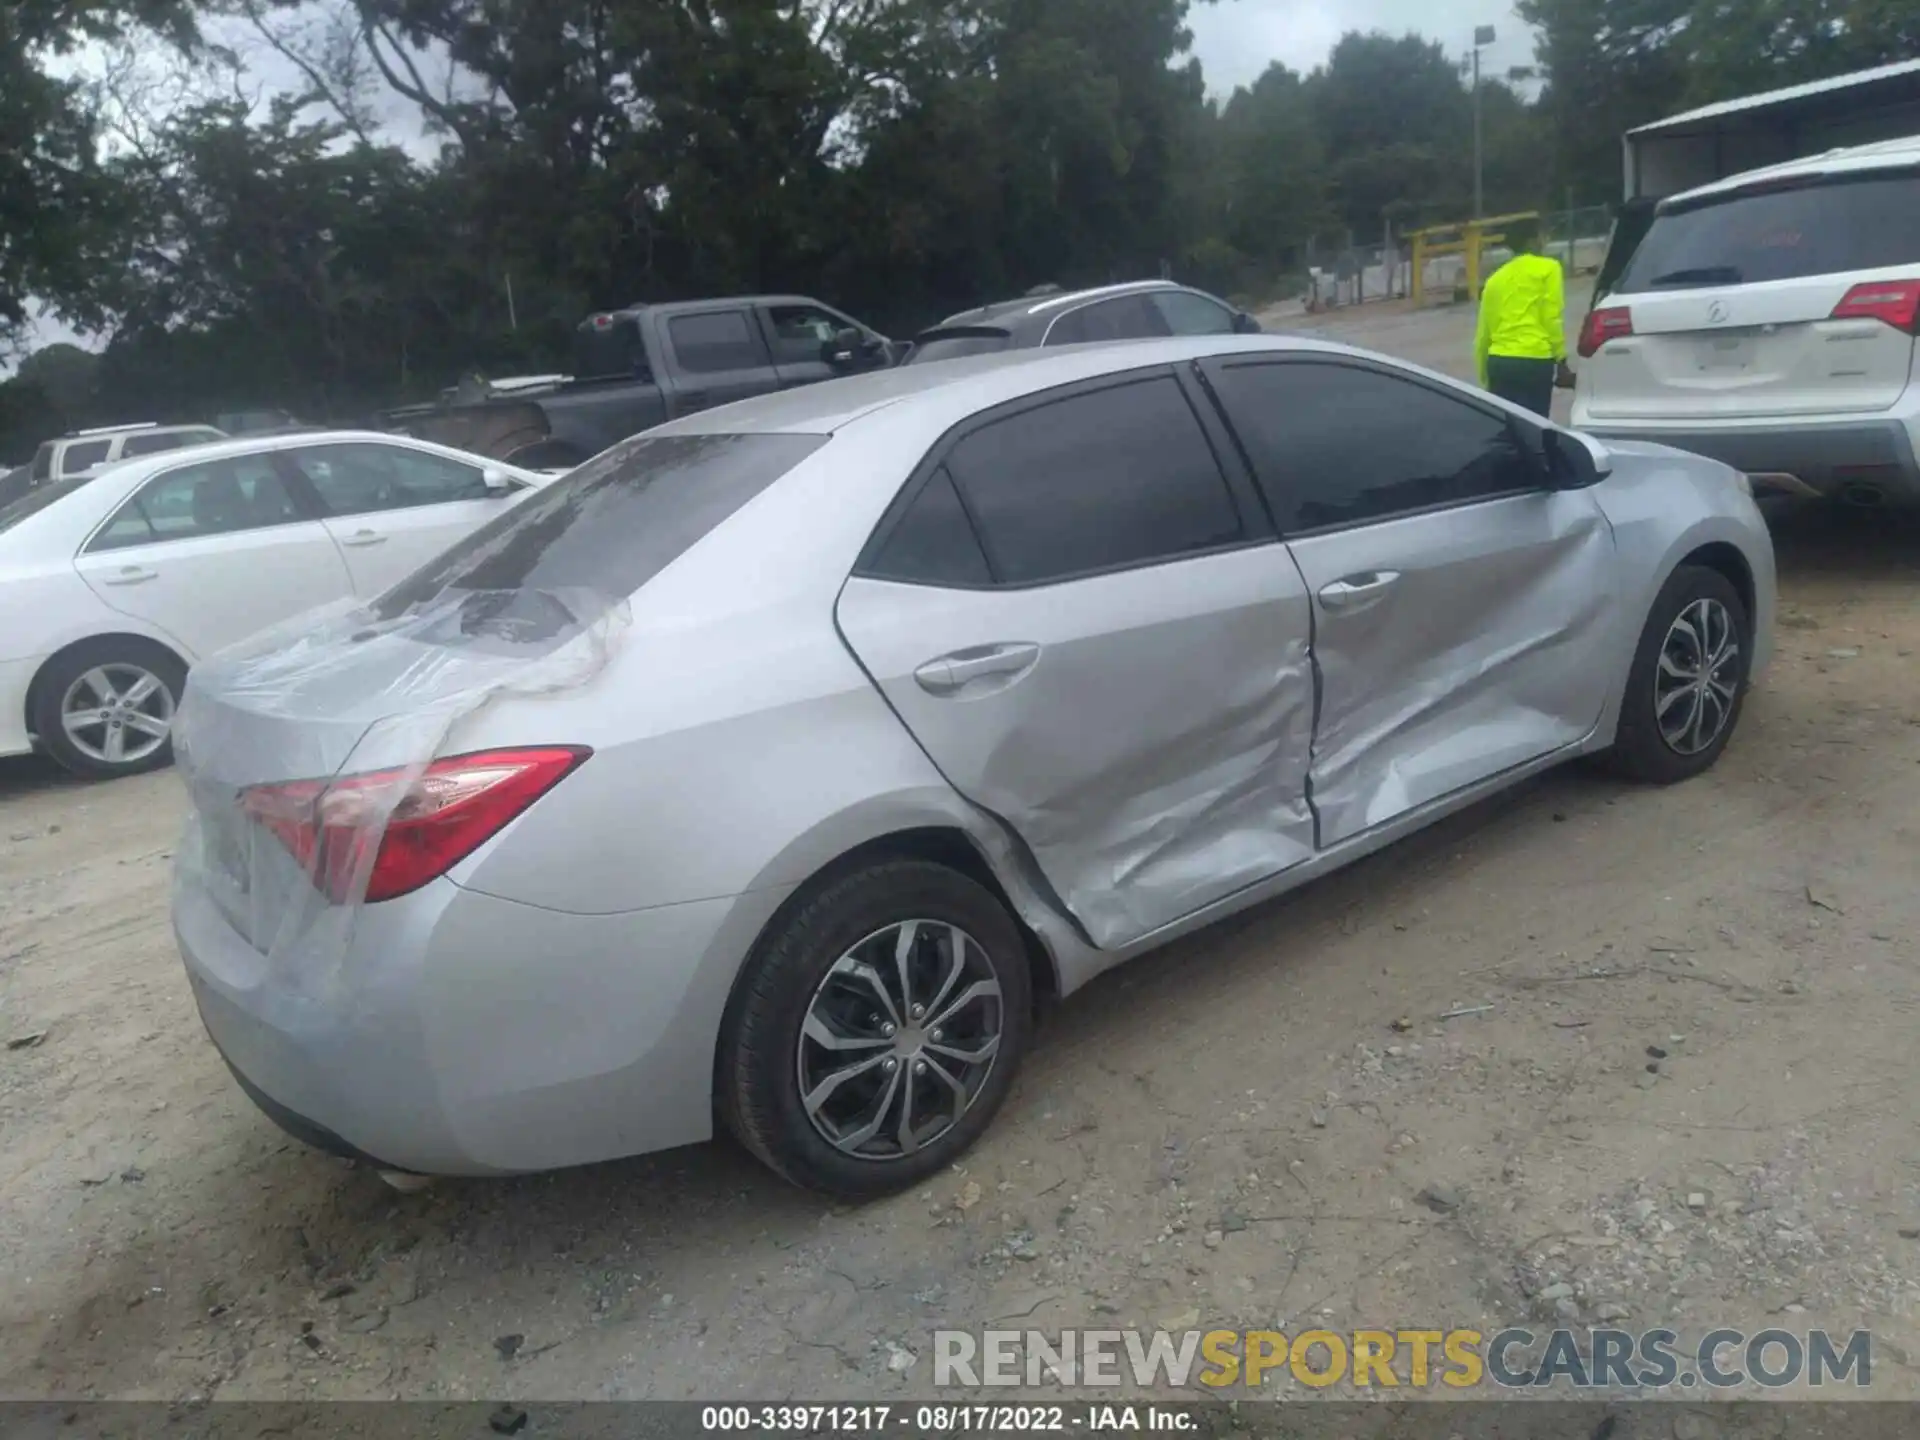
(86, 451)
(1768, 320)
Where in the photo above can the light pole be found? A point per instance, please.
(1482, 36)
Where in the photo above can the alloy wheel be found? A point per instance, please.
(1698, 677)
(119, 713)
(898, 1039)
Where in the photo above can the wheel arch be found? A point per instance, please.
(1725, 558)
(947, 845)
(37, 685)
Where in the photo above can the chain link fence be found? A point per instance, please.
(1350, 274)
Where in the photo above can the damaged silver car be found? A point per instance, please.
(767, 768)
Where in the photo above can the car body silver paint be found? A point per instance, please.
(1476, 655)
(1154, 755)
(557, 999)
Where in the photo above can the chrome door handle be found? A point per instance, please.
(1351, 590)
(365, 537)
(947, 674)
(130, 575)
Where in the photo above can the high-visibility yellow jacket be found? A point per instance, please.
(1522, 308)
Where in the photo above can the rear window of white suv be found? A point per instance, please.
(1814, 226)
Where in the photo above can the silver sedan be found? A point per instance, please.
(768, 768)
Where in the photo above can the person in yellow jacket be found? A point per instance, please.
(1520, 345)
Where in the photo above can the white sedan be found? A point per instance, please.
(112, 586)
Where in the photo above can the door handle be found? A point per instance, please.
(364, 538)
(130, 575)
(949, 673)
(695, 402)
(1352, 590)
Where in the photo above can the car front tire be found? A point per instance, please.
(105, 708)
(876, 1030)
(1688, 680)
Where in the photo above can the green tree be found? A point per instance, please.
(57, 211)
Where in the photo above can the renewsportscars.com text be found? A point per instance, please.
(1511, 1359)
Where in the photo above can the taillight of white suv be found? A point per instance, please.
(1897, 302)
(1611, 323)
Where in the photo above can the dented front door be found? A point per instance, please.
(1458, 604)
(1451, 646)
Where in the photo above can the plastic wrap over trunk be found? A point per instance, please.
(335, 717)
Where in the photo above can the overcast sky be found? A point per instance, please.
(1237, 39)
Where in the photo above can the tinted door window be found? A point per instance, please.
(933, 542)
(800, 330)
(357, 479)
(84, 456)
(219, 498)
(1781, 235)
(717, 342)
(1112, 477)
(1189, 314)
(1338, 444)
(1130, 317)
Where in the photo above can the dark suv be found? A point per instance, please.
(1051, 316)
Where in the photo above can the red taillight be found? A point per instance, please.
(1895, 301)
(402, 835)
(1602, 326)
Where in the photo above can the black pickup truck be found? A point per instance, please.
(640, 366)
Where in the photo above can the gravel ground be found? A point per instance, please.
(1682, 1092)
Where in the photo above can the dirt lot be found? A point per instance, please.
(1685, 1094)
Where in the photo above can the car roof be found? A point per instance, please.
(970, 383)
(142, 466)
(717, 302)
(1040, 310)
(1879, 155)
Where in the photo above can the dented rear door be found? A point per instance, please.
(1457, 604)
(1091, 630)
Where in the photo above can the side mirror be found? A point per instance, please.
(497, 481)
(853, 350)
(1245, 324)
(1574, 461)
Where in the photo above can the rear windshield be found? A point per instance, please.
(952, 347)
(614, 523)
(1781, 234)
(613, 349)
(36, 500)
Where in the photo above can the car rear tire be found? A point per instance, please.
(876, 1030)
(1688, 680)
(105, 708)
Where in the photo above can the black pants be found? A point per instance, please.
(1528, 383)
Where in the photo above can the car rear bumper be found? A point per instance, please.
(462, 1034)
(1869, 462)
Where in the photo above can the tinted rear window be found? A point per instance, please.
(1785, 234)
(614, 523)
(952, 347)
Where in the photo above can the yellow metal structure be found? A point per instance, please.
(1469, 238)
